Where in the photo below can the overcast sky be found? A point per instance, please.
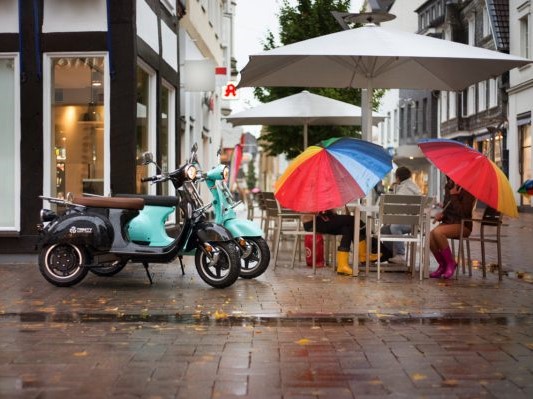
(252, 21)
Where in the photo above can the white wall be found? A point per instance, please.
(74, 16)
(521, 89)
(9, 16)
(147, 25)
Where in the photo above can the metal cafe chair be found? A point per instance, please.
(490, 225)
(408, 210)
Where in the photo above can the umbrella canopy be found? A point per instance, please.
(303, 108)
(331, 174)
(373, 57)
(473, 171)
(526, 188)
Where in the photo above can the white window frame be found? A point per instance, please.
(471, 100)
(452, 105)
(47, 118)
(486, 28)
(152, 116)
(171, 115)
(170, 5)
(493, 93)
(472, 30)
(482, 96)
(443, 106)
(525, 44)
(16, 146)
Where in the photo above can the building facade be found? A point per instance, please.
(90, 85)
(519, 136)
(478, 114)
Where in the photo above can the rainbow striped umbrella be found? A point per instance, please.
(473, 171)
(331, 174)
(526, 188)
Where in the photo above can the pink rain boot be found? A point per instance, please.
(442, 266)
(449, 262)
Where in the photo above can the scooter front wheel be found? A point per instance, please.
(62, 264)
(257, 261)
(222, 270)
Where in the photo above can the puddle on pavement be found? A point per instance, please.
(205, 319)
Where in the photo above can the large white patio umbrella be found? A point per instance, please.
(373, 57)
(303, 108)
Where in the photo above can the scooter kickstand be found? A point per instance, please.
(181, 264)
(145, 264)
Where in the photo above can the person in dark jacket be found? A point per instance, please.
(458, 204)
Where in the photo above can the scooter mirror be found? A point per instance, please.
(194, 149)
(147, 158)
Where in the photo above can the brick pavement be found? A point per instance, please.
(287, 334)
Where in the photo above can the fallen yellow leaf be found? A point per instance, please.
(303, 341)
(418, 377)
(81, 354)
(220, 315)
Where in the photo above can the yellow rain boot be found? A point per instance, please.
(362, 253)
(342, 263)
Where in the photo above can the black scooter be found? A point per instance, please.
(93, 233)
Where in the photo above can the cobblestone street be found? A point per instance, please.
(287, 334)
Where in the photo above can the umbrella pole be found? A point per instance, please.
(366, 112)
(305, 135)
(366, 122)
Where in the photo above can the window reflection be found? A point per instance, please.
(77, 128)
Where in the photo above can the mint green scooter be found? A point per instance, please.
(255, 253)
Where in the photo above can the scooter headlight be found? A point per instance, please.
(191, 172)
(47, 215)
(225, 173)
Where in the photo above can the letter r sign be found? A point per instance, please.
(229, 91)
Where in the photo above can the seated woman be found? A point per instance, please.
(458, 204)
(329, 222)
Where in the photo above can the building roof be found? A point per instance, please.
(499, 19)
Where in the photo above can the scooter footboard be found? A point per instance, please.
(243, 228)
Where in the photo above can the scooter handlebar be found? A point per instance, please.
(152, 178)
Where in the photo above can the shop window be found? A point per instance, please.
(77, 116)
(9, 145)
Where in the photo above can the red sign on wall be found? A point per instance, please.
(229, 91)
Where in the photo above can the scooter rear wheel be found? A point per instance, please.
(62, 264)
(257, 262)
(225, 271)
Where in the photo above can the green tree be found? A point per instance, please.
(305, 20)
(251, 179)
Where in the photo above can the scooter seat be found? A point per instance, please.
(110, 202)
(155, 200)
